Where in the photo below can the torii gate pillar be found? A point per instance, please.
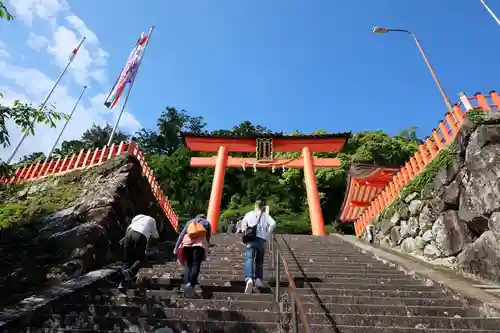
(315, 214)
(265, 146)
(217, 186)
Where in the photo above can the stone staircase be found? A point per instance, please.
(345, 290)
(340, 288)
(156, 302)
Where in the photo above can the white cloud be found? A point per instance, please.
(81, 27)
(32, 85)
(65, 30)
(89, 61)
(3, 51)
(37, 42)
(47, 10)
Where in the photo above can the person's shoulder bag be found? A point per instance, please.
(250, 234)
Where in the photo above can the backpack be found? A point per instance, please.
(250, 234)
(196, 229)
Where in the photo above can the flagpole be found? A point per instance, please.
(75, 51)
(490, 11)
(65, 124)
(130, 88)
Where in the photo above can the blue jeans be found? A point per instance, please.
(254, 252)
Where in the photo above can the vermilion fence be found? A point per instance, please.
(440, 139)
(85, 159)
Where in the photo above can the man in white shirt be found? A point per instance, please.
(135, 244)
(255, 249)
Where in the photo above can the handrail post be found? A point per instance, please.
(271, 245)
(277, 273)
(295, 323)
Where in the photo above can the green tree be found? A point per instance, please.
(26, 116)
(171, 124)
(69, 148)
(4, 12)
(98, 136)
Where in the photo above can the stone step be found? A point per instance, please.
(375, 290)
(157, 308)
(104, 295)
(239, 286)
(161, 318)
(309, 272)
(202, 326)
(318, 328)
(378, 300)
(387, 309)
(296, 270)
(225, 265)
(215, 279)
(403, 321)
(134, 296)
(225, 287)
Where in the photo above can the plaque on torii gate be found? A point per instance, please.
(264, 147)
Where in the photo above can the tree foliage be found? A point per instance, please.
(188, 189)
(4, 12)
(26, 117)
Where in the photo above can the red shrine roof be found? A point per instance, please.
(281, 143)
(364, 183)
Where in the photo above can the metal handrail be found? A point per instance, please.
(297, 306)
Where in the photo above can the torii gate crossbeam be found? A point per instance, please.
(265, 146)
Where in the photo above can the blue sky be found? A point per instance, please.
(287, 64)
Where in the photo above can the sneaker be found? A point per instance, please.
(198, 290)
(259, 283)
(249, 286)
(189, 291)
(126, 274)
(121, 288)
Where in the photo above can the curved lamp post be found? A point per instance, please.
(381, 30)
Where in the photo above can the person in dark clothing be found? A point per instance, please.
(191, 248)
(135, 244)
(231, 227)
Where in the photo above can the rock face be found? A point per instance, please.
(457, 214)
(482, 257)
(69, 238)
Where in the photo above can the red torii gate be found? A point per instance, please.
(265, 146)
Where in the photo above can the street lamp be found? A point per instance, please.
(381, 30)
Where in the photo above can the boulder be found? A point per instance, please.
(403, 231)
(480, 192)
(420, 243)
(449, 233)
(431, 251)
(413, 226)
(428, 215)
(386, 241)
(387, 224)
(451, 194)
(404, 211)
(482, 258)
(427, 236)
(443, 177)
(395, 236)
(415, 207)
(483, 136)
(494, 225)
(408, 245)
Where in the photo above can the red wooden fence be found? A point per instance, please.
(440, 139)
(85, 159)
